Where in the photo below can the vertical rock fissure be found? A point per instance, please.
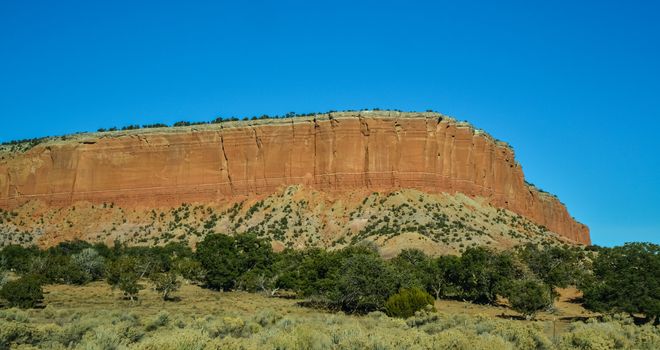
(75, 176)
(427, 159)
(260, 154)
(316, 127)
(224, 155)
(12, 189)
(50, 155)
(450, 161)
(333, 163)
(364, 128)
(293, 142)
(397, 153)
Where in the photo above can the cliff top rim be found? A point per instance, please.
(19, 146)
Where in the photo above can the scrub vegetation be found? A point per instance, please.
(236, 292)
(95, 317)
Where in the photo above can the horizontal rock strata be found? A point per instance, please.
(379, 151)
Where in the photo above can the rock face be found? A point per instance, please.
(378, 151)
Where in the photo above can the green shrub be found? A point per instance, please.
(165, 284)
(51, 269)
(226, 258)
(25, 292)
(302, 337)
(90, 262)
(555, 266)
(124, 273)
(626, 279)
(189, 269)
(528, 296)
(17, 258)
(102, 338)
(13, 314)
(411, 267)
(614, 334)
(14, 332)
(363, 282)
(3, 278)
(161, 320)
(231, 326)
(187, 339)
(407, 301)
(481, 274)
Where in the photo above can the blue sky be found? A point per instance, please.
(573, 86)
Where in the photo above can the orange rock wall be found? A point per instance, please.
(379, 153)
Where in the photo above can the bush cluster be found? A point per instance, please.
(354, 279)
(79, 262)
(25, 292)
(408, 301)
(269, 329)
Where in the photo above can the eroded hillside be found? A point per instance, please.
(295, 217)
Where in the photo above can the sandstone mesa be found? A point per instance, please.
(334, 152)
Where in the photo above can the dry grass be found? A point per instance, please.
(95, 317)
(193, 300)
(98, 296)
(565, 309)
(555, 321)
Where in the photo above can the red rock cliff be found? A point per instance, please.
(341, 151)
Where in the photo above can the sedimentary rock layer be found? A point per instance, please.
(378, 151)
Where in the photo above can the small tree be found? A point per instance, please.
(442, 275)
(407, 301)
(555, 266)
(166, 283)
(226, 258)
(124, 273)
(309, 272)
(51, 268)
(90, 263)
(17, 258)
(528, 296)
(259, 281)
(412, 268)
(190, 269)
(626, 279)
(218, 257)
(482, 272)
(25, 292)
(130, 286)
(362, 284)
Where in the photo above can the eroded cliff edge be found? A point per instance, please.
(378, 151)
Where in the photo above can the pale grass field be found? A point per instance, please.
(95, 317)
(194, 301)
(197, 301)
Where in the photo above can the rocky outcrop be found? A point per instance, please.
(378, 151)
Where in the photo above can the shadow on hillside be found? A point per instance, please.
(579, 300)
(566, 319)
(512, 317)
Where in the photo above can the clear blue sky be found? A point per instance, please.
(574, 86)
